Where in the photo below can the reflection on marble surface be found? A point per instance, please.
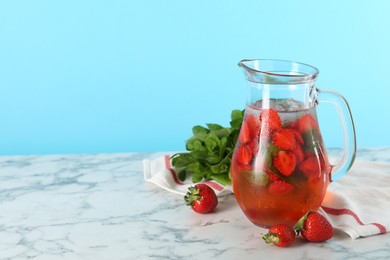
(99, 207)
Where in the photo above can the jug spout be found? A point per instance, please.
(266, 71)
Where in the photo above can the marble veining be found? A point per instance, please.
(99, 207)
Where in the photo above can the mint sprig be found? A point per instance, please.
(210, 151)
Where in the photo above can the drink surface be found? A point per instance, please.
(280, 168)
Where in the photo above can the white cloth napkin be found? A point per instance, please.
(159, 171)
(357, 204)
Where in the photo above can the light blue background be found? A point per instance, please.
(122, 76)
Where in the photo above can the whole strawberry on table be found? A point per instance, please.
(280, 235)
(201, 198)
(313, 227)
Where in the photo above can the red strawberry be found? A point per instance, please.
(314, 227)
(309, 154)
(253, 124)
(270, 120)
(271, 175)
(310, 168)
(244, 154)
(306, 123)
(298, 136)
(285, 162)
(253, 146)
(284, 139)
(201, 198)
(299, 153)
(280, 235)
(278, 187)
(245, 135)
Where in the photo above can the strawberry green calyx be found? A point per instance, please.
(192, 196)
(271, 238)
(280, 235)
(301, 222)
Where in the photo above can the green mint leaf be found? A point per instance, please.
(182, 174)
(237, 114)
(237, 117)
(200, 130)
(207, 175)
(198, 145)
(222, 146)
(219, 168)
(222, 132)
(181, 159)
(195, 143)
(200, 155)
(213, 158)
(197, 178)
(209, 151)
(193, 167)
(212, 142)
(236, 123)
(214, 127)
(222, 179)
(223, 166)
(198, 137)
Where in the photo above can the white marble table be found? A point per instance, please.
(99, 207)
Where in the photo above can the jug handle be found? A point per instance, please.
(349, 153)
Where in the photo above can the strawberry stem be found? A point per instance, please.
(271, 238)
(192, 196)
(301, 222)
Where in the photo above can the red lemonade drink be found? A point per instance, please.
(280, 168)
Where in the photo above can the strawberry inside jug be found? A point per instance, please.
(280, 168)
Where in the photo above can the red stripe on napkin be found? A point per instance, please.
(214, 185)
(339, 212)
(168, 167)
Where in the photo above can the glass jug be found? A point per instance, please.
(280, 167)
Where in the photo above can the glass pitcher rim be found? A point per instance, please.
(300, 76)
